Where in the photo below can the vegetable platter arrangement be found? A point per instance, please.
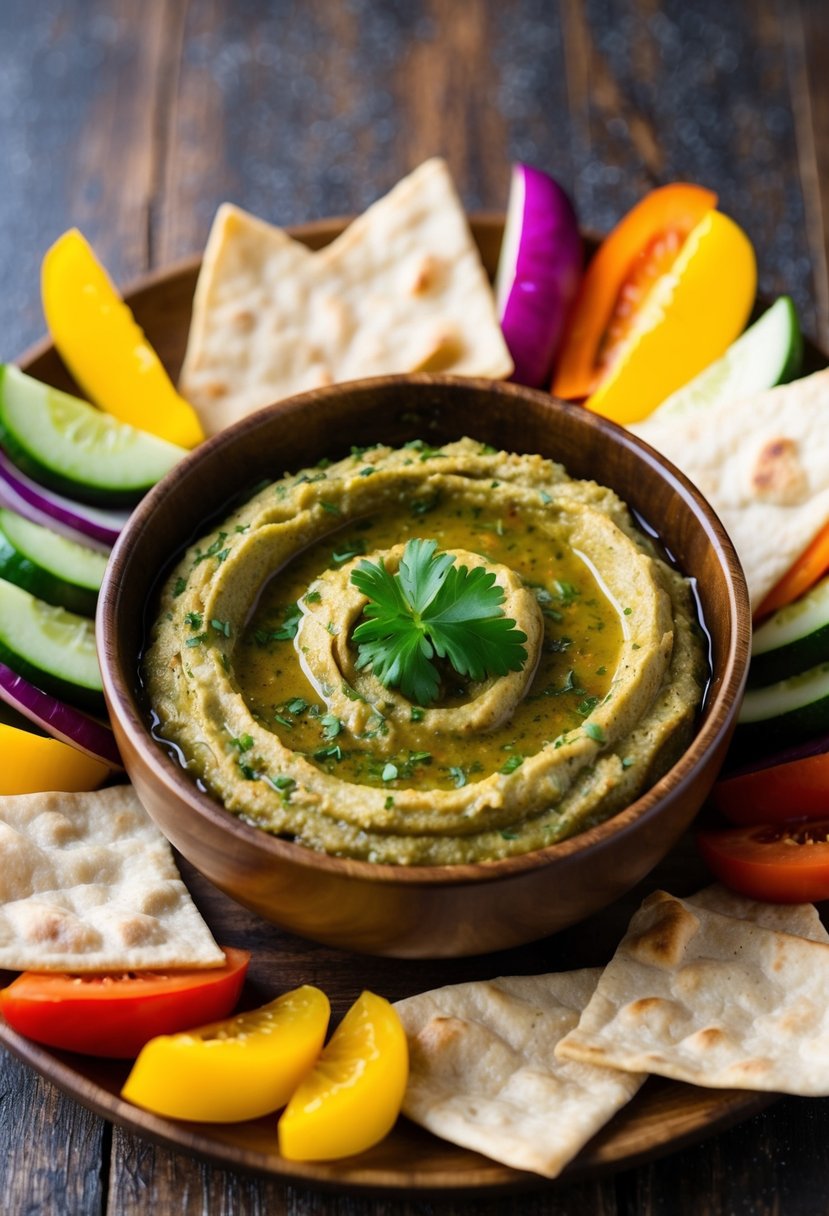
(649, 333)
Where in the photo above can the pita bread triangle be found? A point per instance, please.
(402, 289)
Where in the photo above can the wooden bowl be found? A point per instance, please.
(437, 910)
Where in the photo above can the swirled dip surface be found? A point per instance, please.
(251, 667)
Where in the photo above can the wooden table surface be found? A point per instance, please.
(134, 118)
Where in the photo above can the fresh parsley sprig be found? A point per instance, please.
(433, 608)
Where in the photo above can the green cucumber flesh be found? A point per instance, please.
(73, 448)
(49, 646)
(51, 567)
(768, 353)
(793, 639)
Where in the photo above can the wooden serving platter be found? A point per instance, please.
(663, 1117)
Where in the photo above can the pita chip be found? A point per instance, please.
(700, 997)
(88, 883)
(403, 289)
(763, 464)
(483, 1073)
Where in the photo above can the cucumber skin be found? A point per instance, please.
(81, 491)
(751, 738)
(790, 660)
(89, 699)
(15, 568)
(794, 359)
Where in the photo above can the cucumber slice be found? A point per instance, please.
(50, 566)
(53, 648)
(75, 449)
(788, 711)
(793, 639)
(768, 353)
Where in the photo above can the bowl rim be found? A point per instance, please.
(719, 710)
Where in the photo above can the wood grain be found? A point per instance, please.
(136, 119)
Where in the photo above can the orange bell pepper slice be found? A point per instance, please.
(812, 564)
(639, 249)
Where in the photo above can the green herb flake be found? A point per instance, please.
(511, 764)
(197, 640)
(331, 726)
(458, 776)
(601, 671)
(193, 619)
(334, 752)
(628, 761)
(241, 528)
(248, 771)
(389, 772)
(351, 548)
(389, 803)
(595, 732)
(296, 706)
(330, 507)
(545, 497)
(509, 835)
(179, 587)
(283, 721)
(628, 611)
(367, 471)
(222, 627)
(243, 743)
(416, 714)
(313, 597)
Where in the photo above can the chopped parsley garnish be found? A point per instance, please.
(222, 627)
(627, 761)
(193, 619)
(458, 776)
(511, 764)
(197, 640)
(313, 597)
(297, 705)
(215, 550)
(330, 507)
(334, 752)
(351, 548)
(433, 609)
(416, 714)
(331, 725)
(243, 743)
(180, 587)
(389, 803)
(595, 732)
(509, 835)
(283, 721)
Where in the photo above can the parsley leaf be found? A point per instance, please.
(433, 608)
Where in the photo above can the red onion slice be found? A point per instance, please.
(59, 720)
(539, 271)
(75, 520)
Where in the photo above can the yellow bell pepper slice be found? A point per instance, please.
(690, 317)
(236, 1069)
(105, 350)
(32, 764)
(352, 1097)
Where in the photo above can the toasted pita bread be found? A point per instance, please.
(88, 883)
(689, 996)
(483, 1073)
(801, 920)
(401, 290)
(763, 464)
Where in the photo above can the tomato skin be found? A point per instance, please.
(115, 1015)
(780, 863)
(798, 789)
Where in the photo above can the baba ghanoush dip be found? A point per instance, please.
(254, 673)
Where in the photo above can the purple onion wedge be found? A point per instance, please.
(539, 271)
(42, 506)
(59, 720)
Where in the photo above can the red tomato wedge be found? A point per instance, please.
(781, 863)
(115, 1015)
(626, 265)
(798, 789)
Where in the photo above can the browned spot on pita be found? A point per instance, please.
(215, 389)
(445, 349)
(710, 1036)
(427, 275)
(663, 943)
(778, 475)
(244, 321)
